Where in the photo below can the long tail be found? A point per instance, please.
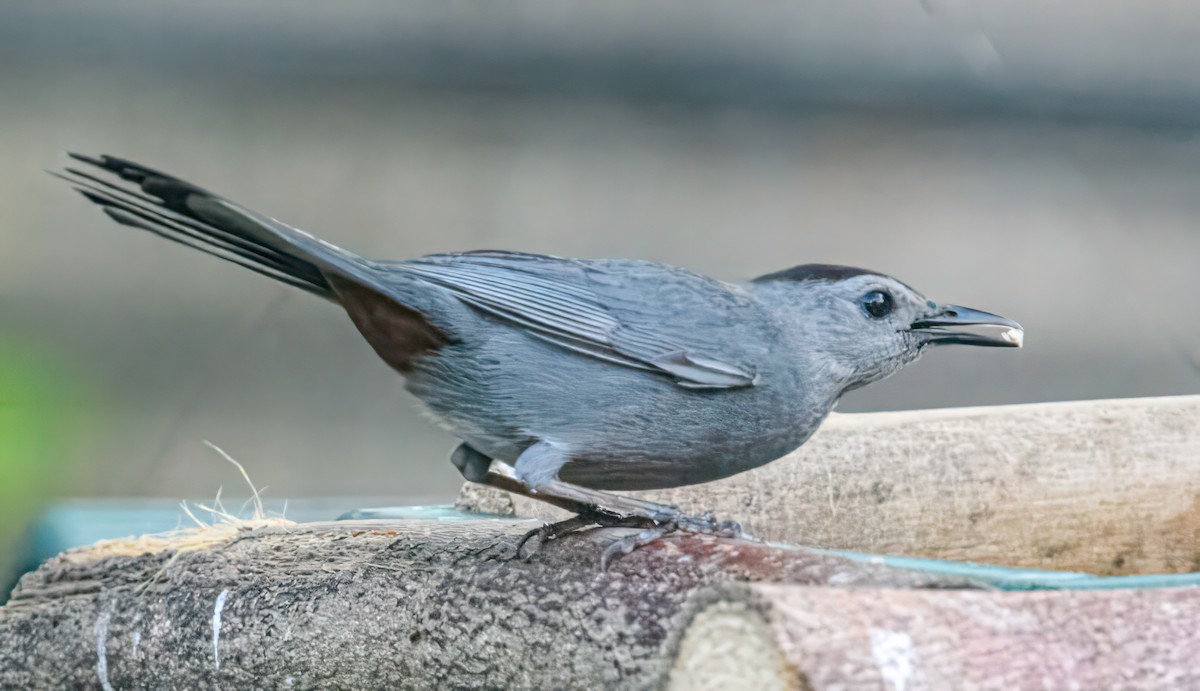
(171, 208)
(189, 215)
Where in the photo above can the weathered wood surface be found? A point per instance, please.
(442, 604)
(383, 604)
(1108, 487)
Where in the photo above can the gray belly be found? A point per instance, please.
(724, 449)
(626, 429)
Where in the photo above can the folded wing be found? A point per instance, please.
(553, 299)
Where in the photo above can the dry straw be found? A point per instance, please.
(222, 528)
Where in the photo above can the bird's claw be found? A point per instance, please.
(704, 524)
(550, 531)
(707, 524)
(653, 527)
(627, 544)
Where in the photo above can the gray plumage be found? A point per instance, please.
(609, 374)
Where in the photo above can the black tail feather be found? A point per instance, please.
(174, 209)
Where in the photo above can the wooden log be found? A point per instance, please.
(782, 636)
(442, 604)
(1107, 487)
(382, 604)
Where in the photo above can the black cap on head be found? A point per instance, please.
(816, 272)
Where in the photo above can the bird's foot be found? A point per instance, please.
(704, 524)
(587, 519)
(654, 525)
(707, 524)
(627, 544)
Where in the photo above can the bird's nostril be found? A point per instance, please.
(951, 313)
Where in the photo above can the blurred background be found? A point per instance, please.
(1040, 161)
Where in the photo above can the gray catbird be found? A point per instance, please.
(583, 375)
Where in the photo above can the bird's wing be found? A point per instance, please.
(558, 301)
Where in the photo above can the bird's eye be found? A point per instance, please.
(878, 304)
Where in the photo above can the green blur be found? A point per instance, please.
(36, 430)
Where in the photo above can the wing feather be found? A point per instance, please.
(553, 300)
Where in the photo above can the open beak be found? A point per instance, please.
(963, 325)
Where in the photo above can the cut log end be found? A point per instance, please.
(729, 645)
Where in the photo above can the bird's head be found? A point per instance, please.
(864, 326)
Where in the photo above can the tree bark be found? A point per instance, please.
(384, 604)
(443, 604)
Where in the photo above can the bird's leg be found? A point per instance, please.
(580, 500)
(595, 507)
